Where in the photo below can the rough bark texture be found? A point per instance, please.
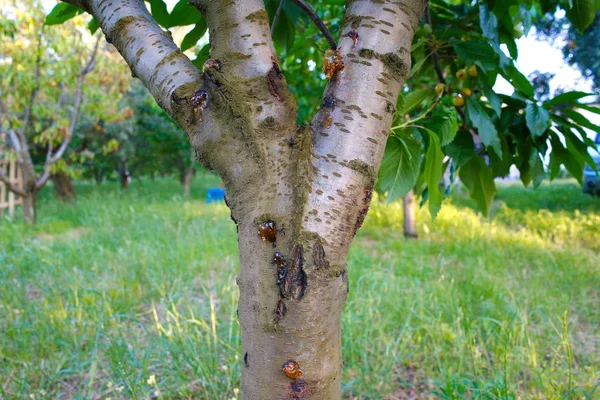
(410, 216)
(63, 185)
(297, 194)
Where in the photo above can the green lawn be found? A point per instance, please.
(132, 296)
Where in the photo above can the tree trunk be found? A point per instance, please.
(297, 194)
(29, 208)
(410, 216)
(125, 179)
(187, 181)
(63, 185)
(99, 176)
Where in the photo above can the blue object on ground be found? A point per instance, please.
(215, 195)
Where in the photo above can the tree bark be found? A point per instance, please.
(410, 216)
(63, 185)
(30, 208)
(297, 194)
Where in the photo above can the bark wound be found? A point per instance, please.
(295, 282)
(298, 389)
(274, 77)
(280, 311)
(319, 257)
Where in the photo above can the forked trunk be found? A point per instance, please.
(63, 185)
(410, 216)
(298, 194)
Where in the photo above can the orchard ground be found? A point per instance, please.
(132, 295)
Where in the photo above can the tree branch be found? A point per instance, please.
(435, 55)
(276, 16)
(150, 51)
(9, 185)
(51, 159)
(363, 94)
(14, 139)
(317, 21)
(36, 84)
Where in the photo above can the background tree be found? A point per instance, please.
(141, 140)
(43, 72)
(316, 181)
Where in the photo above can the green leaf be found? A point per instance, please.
(194, 35)
(462, 148)
(433, 172)
(577, 148)
(518, 80)
(414, 99)
(567, 98)
(537, 118)
(400, 166)
(285, 31)
(202, 56)
(494, 99)
(477, 177)
(444, 121)
(485, 127)
(489, 23)
(582, 13)
(587, 107)
(183, 14)
(580, 119)
(93, 25)
(62, 12)
(158, 8)
(500, 166)
(560, 155)
(525, 154)
(537, 170)
(478, 52)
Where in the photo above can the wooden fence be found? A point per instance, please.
(9, 200)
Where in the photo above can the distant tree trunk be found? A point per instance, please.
(125, 179)
(124, 175)
(99, 176)
(29, 208)
(63, 185)
(187, 181)
(30, 194)
(410, 216)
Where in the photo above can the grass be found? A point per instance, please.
(132, 295)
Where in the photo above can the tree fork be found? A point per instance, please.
(298, 195)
